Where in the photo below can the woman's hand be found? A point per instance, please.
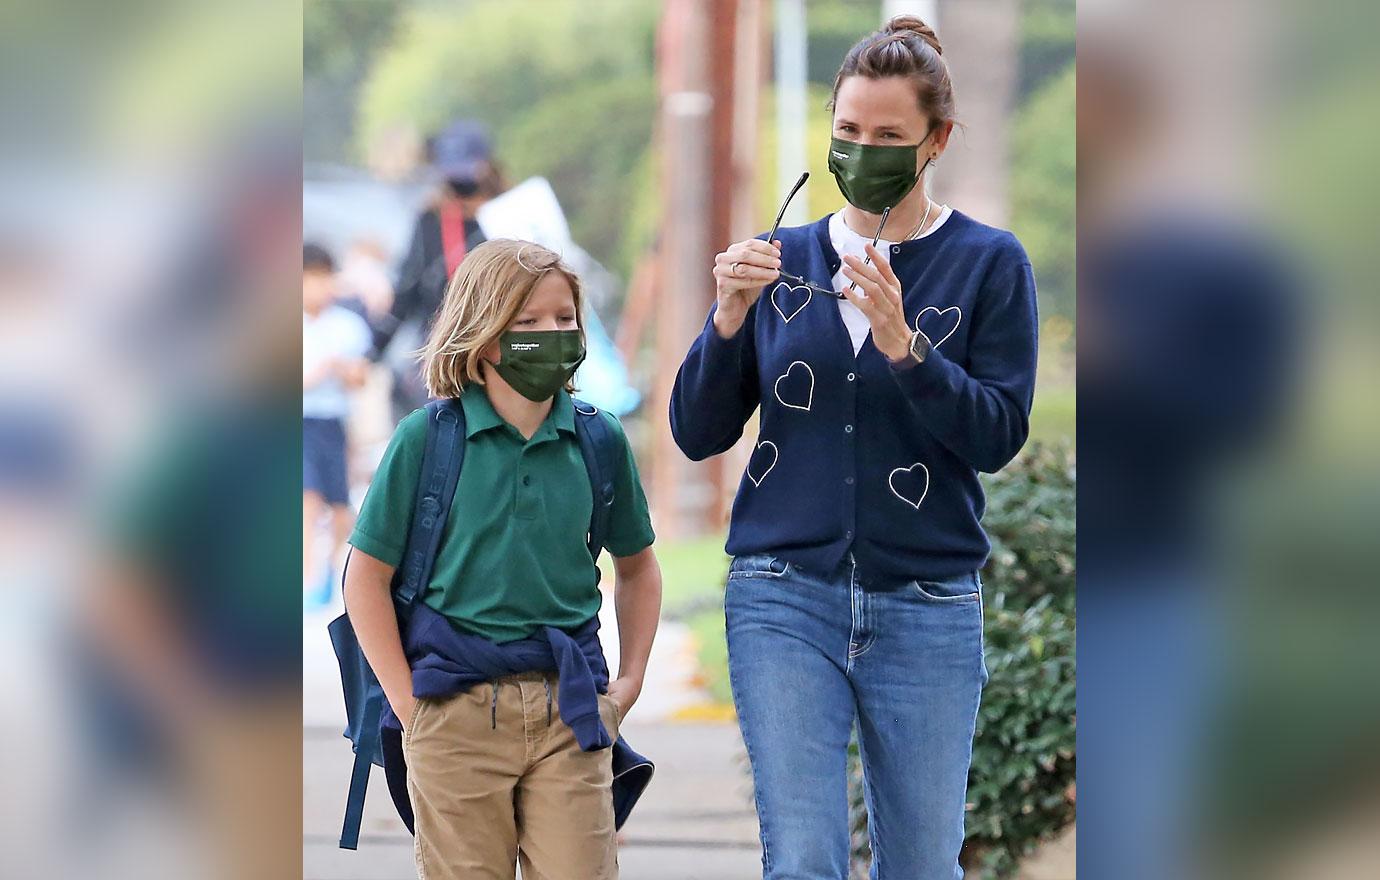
(740, 272)
(878, 295)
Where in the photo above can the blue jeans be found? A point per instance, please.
(808, 654)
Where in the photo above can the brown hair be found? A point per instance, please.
(906, 47)
(485, 296)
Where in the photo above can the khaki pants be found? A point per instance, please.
(491, 783)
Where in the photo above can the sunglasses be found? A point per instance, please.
(796, 280)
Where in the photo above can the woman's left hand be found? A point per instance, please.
(878, 295)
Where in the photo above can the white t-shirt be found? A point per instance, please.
(845, 242)
(335, 332)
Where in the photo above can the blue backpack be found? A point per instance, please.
(364, 697)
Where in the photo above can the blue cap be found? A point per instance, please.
(460, 151)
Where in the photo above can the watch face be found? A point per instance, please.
(919, 346)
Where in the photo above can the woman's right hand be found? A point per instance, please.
(740, 273)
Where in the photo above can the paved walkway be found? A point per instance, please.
(696, 821)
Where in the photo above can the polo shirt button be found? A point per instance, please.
(851, 377)
(527, 479)
(847, 429)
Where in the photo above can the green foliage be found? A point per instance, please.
(1044, 149)
(1047, 43)
(1031, 520)
(566, 137)
(567, 87)
(1023, 753)
(338, 38)
(486, 58)
(339, 42)
(831, 30)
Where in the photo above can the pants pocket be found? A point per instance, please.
(411, 724)
(959, 590)
(758, 565)
(615, 712)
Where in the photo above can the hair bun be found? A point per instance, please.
(904, 24)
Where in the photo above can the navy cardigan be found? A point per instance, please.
(854, 455)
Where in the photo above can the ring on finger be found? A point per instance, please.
(734, 269)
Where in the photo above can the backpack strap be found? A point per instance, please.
(601, 448)
(445, 452)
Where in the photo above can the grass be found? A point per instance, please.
(1054, 415)
(692, 592)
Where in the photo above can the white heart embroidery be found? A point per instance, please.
(775, 456)
(940, 313)
(781, 285)
(809, 396)
(891, 481)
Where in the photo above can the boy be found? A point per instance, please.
(334, 342)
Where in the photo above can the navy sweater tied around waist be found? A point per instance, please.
(854, 455)
(446, 661)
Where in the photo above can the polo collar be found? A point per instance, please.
(480, 414)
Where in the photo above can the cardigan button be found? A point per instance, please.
(847, 429)
(848, 480)
(851, 377)
(895, 248)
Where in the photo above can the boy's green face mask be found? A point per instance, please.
(538, 363)
(873, 177)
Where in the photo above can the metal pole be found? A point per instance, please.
(679, 489)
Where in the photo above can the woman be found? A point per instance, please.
(854, 590)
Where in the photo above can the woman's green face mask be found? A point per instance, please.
(873, 177)
(538, 363)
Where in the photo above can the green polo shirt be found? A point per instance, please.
(513, 555)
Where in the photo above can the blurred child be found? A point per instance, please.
(334, 343)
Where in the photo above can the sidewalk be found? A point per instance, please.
(696, 821)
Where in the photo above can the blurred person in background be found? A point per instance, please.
(1189, 347)
(363, 280)
(444, 233)
(192, 623)
(335, 341)
(887, 381)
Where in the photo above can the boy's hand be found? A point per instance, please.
(624, 691)
(404, 707)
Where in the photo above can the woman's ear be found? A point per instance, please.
(939, 142)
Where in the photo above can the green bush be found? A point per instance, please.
(1023, 755)
(1031, 520)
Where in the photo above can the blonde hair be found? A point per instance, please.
(485, 296)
